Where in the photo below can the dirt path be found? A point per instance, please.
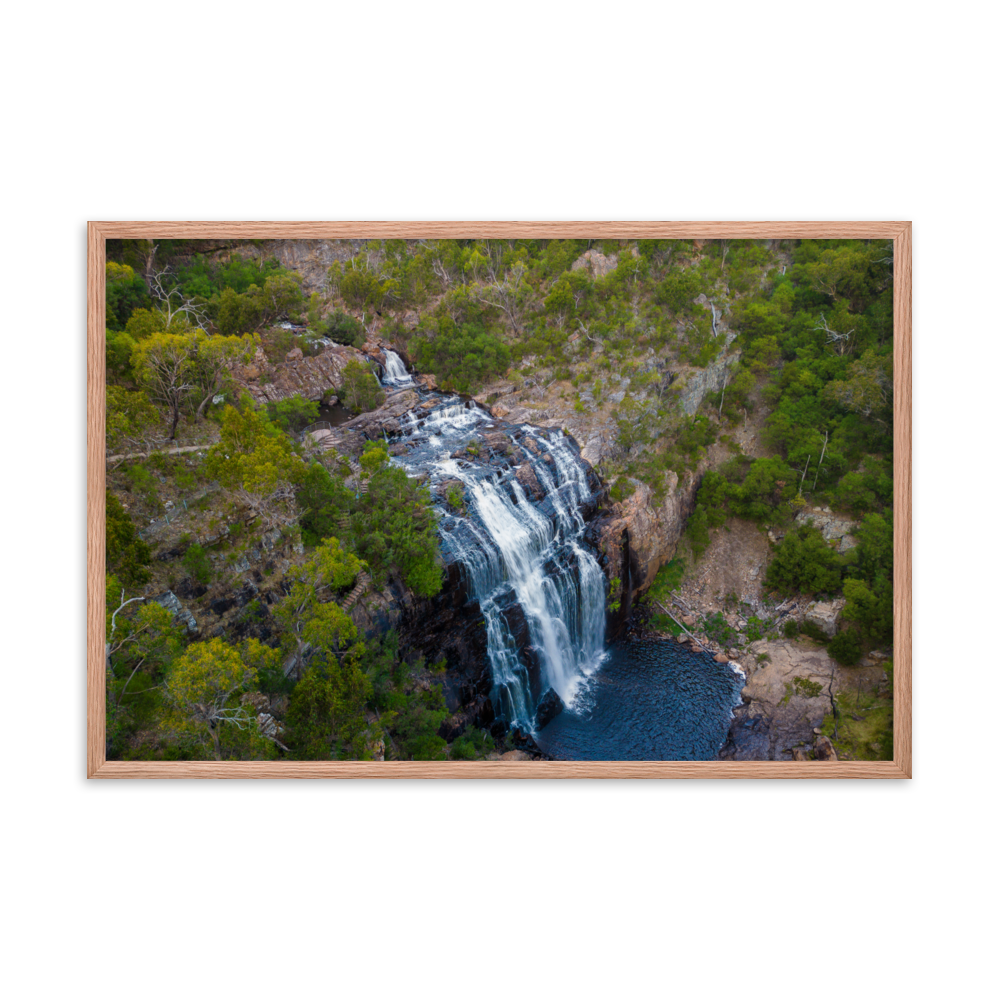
(158, 451)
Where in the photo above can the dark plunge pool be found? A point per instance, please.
(336, 414)
(649, 701)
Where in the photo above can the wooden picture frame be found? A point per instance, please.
(899, 767)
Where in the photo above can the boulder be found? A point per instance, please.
(256, 700)
(786, 699)
(168, 599)
(548, 708)
(295, 354)
(825, 749)
(833, 528)
(825, 615)
(515, 755)
(527, 478)
(799, 754)
(721, 658)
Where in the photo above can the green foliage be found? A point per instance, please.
(456, 497)
(201, 686)
(614, 594)
(718, 629)
(326, 713)
(808, 688)
(130, 419)
(845, 648)
(790, 629)
(323, 500)
(124, 292)
(814, 632)
(360, 390)
(803, 562)
(118, 347)
(364, 289)
(473, 744)
(256, 466)
(237, 313)
(870, 608)
(415, 728)
(393, 528)
(678, 290)
(293, 414)
(462, 356)
(198, 564)
(343, 329)
(621, 489)
(126, 554)
(874, 552)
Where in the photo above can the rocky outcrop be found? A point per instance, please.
(548, 708)
(169, 600)
(640, 534)
(694, 383)
(825, 615)
(785, 699)
(833, 528)
(313, 377)
(349, 438)
(595, 263)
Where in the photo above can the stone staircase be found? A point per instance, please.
(359, 588)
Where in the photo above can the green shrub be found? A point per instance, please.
(814, 632)
(293, 413)
(463, 357)
(126, 554)
(473, 744)
(360, 390)
(808, 688)
(790, 629)
(197, 563)
(415, 729)
(804, 563)
(845, 648)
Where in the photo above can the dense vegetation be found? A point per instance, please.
(798, 334)
(174, 339)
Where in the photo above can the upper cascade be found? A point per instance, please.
(395, 371)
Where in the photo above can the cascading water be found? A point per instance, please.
(513, 502)
(540, 590)
(396, 374)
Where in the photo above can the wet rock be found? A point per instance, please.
(548, 708)
(527, 478)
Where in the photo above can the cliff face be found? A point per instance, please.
(313, 377)
(639, 535)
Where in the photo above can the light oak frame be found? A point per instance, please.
(898, 232)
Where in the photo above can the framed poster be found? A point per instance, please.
(715, 236)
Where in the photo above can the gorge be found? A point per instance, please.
(517, 505)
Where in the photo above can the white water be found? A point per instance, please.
(395, 371)
(516, 553)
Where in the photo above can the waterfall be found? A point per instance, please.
(523, 558)
(395, 371)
